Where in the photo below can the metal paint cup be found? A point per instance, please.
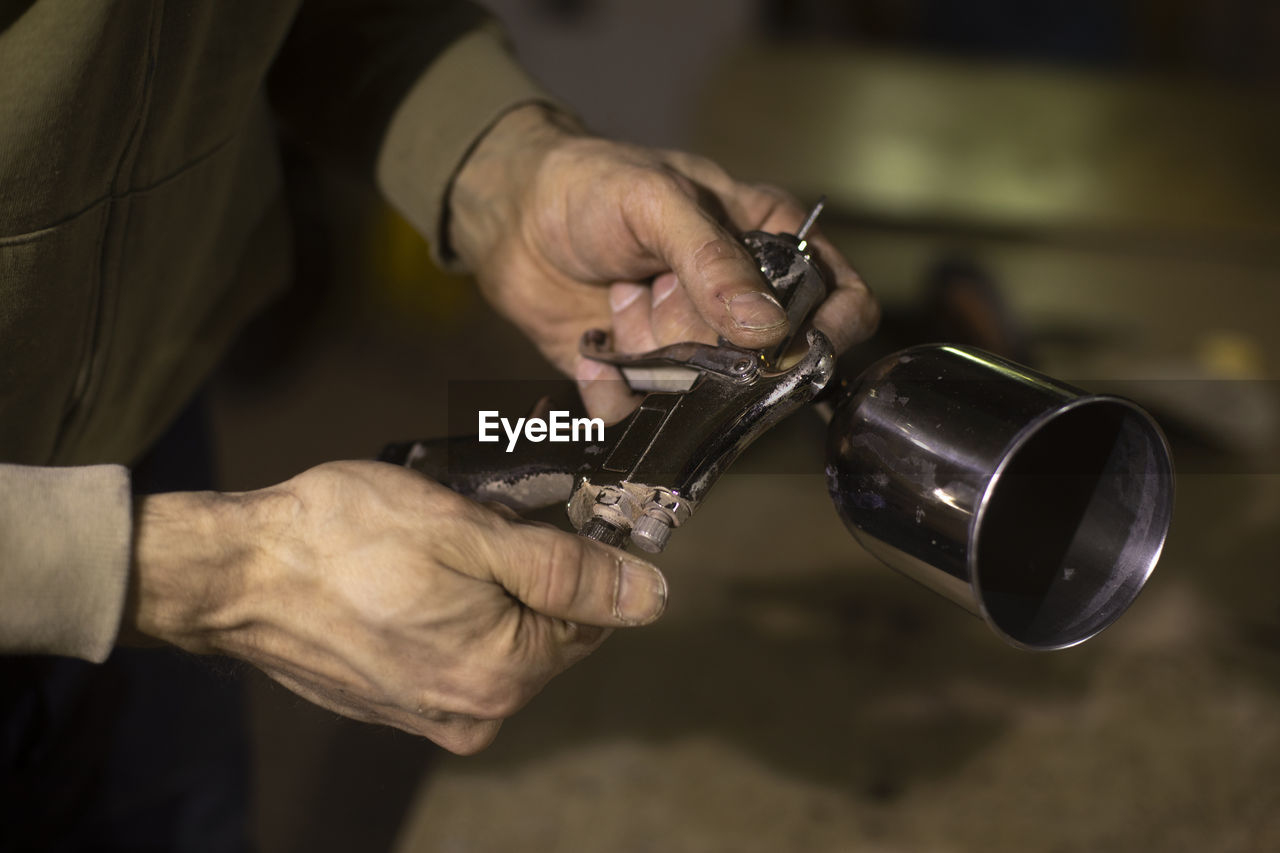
(1038, 507)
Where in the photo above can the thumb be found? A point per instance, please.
(714, 268)
(574, 578)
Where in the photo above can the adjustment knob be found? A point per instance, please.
(651, 533)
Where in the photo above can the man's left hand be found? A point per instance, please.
(567, 232)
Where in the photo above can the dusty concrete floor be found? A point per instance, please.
(797, 695)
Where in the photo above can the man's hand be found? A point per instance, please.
(381, 595)
(567, 232)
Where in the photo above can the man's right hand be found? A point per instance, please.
(381, 595)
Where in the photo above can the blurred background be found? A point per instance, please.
(1092, 187)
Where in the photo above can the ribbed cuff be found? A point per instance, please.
(459, 97)
(65, 542)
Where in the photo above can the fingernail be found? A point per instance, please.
(664, 286)
(641, 595)
(588, 369)
(622, 295)
(756, 311)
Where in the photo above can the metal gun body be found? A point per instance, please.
(669, 452)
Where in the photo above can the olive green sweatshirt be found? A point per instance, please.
(141, 225)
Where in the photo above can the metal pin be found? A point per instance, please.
(813, 215)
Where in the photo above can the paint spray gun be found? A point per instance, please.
(1037, 506)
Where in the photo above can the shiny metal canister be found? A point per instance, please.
(1039, 507)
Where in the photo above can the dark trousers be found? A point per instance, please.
(146, 752)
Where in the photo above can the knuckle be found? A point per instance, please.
(468, 737)
(772, 190)
(501, 709)
(586, 637)
(714, 252)
(561, 576)
(870, 319)
(675, 181)
(771, 201)
(501, 510)
(482, 710)
(503, 704)
(721, 263)
(656, 189)
(468, 743)
(693, 164)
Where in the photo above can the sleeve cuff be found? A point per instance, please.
(66, 536)
(446, 112)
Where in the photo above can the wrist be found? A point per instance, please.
(485, 198)
(189, 572)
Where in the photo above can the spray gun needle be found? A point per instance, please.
(813, 215)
